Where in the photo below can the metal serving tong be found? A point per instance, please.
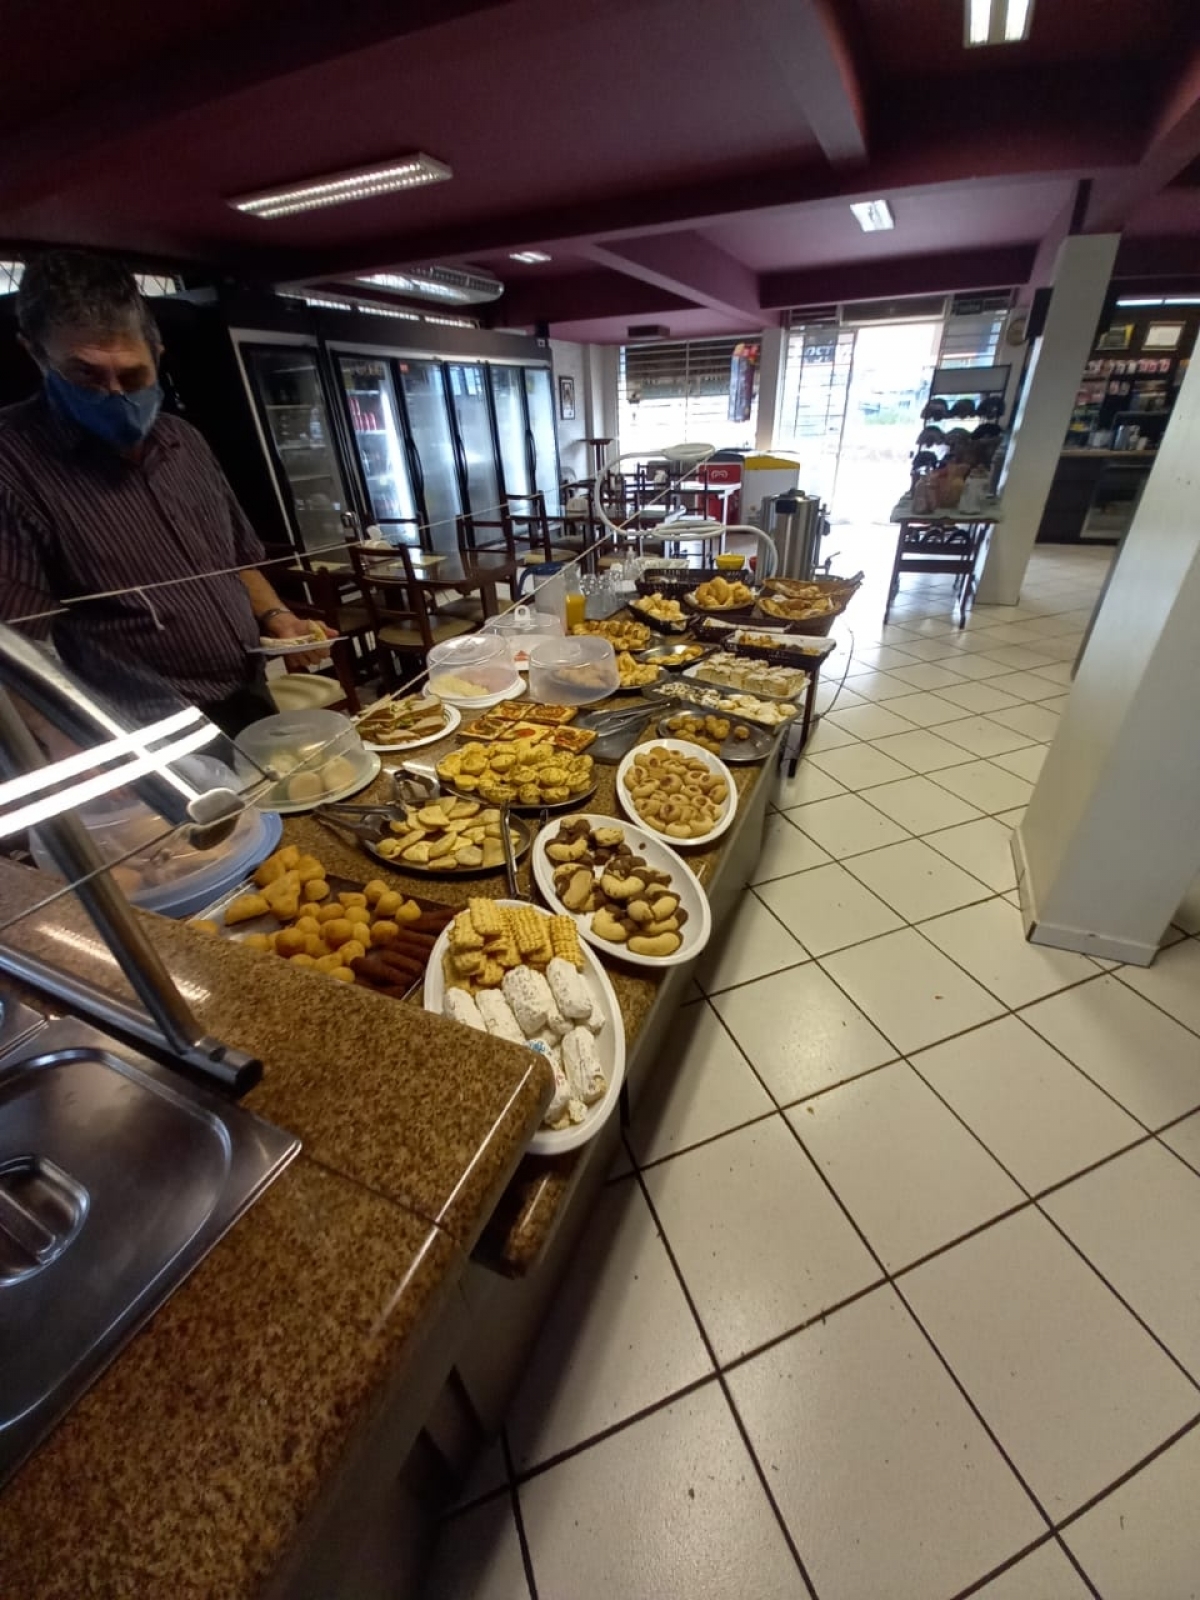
(409, 788)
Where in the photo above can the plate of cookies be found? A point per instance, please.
(527, 774)
(630, 895)
(450, 837)
(682, 793)
(516, 972)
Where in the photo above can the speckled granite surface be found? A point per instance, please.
(188, 1467)
(422, 1111)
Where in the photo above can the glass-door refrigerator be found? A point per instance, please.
(474, 441)
(512, 434)
(523, 401)
(285, 382)
(435, 452)
(543, 435)
(384, 450)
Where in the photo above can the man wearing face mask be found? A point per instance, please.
(123, 512)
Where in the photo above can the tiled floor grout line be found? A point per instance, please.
(725, 1390)
(1073, 1561)
(518, 1517)
(1006, 1566)
(524, 1475)
(1119, 969)
(1130, 1472)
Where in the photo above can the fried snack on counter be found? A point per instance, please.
(620, 634)
(676, 795)
(709, 732)
(629, 902)
(554, 716)
(660, 607)
(333, 938)
(522, 773)
(769, 713)
(721, 595)
(450, 835)
(636, 674)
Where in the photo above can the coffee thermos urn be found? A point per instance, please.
(795, 523)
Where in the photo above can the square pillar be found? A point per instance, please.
(1111, 838)
(1081, 277)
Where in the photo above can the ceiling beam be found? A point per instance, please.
(265, 41)
(895, 277)
(684, 264)
(580, 297)
(1074, 134)
(805, 43)
(1173, 144)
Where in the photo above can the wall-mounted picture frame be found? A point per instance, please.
(566, 399)
(1118, 337)
(1163, 336)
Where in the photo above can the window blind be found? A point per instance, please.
(678, 391)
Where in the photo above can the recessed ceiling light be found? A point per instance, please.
(873, 216)
(338, 188)
(531, 258)
(997, 21)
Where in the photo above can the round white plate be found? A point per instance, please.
(610, 1043)
(684, 882)
(713, 763)
(453, 718)
(292, 647)
(483, 701)
(369, 776)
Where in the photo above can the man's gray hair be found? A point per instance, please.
(76, 289)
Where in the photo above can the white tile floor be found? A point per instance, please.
(894, 1291)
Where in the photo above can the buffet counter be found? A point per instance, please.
(274, 1402)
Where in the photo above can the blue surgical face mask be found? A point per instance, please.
(121, 420)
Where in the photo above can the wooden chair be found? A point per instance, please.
(336, 602)
(401, 619)
(476, 535)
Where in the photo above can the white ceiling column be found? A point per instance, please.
(1081, 277)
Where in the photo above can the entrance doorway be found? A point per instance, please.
(889, 384)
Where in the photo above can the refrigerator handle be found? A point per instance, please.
(460, 456)
(531, 457)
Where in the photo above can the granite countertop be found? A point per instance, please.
(191, 1463)
(244, 1388)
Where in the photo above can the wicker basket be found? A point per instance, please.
(839, 591)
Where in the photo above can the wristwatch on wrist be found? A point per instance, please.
(275, 611)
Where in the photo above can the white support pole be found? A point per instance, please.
(1081, 277)
(771, 362)
(1111, 838)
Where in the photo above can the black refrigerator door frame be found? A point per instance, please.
(530, 446)
(349, 477)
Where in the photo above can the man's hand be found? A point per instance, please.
(286, 626)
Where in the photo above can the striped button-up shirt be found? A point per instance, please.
(78, 519)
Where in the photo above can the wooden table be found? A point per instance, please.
(941, 541)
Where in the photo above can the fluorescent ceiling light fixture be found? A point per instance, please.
(996, 21)
(1182, 300)
(451, 285)
(531, 258)
(1155, 300)
(24, 802)
(873, 216)
(452, 322)
(339, 188)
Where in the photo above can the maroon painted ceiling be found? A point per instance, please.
(682, 161)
